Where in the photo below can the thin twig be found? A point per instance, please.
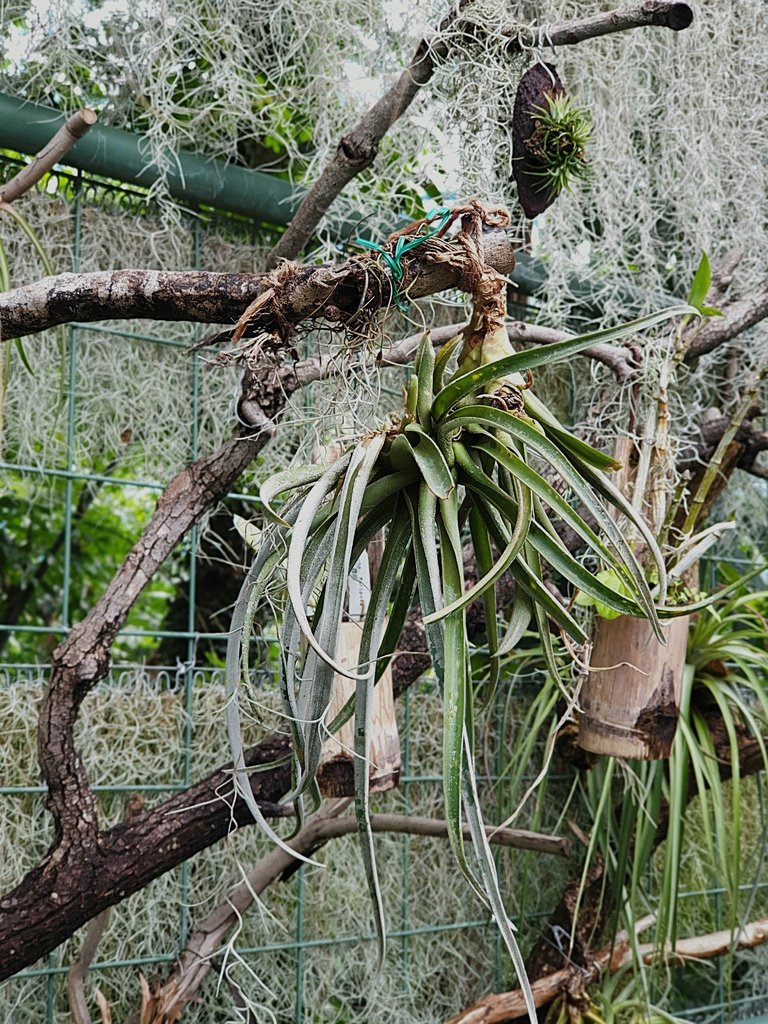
(661, 13)
(702, 492)
(64, 139)
(505, 1006)
(307, 371)
(197, 957)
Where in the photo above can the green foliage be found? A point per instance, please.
(32, 564)
(700, 286)
(475, 435)
(559, 141)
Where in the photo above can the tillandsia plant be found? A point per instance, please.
(550, 134)
(559, 142)
(461, 465)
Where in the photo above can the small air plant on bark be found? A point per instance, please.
(462, 465)
(550, 135)
(559, 142)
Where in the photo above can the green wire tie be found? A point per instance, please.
(403, 246)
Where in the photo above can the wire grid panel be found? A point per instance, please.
(100, 430)
(104, 430)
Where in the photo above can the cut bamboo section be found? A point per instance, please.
(335, 774)
(631, 697)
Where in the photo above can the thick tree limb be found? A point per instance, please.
(305, 292)
(78, 1005)
(78, 866)
(357, 150)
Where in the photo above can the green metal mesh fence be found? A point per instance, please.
(89, 439)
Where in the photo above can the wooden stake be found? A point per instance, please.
(336, 768)
(335, 772)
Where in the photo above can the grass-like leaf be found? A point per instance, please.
(470, 383)
(432, 465)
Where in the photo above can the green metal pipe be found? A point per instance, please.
(27, 127)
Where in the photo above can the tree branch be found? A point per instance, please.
(661, 13)
(739, 316)
(207, 940)
(506, 1006)
(357, 150)
(79, 854)
(64, 139)
(303, 292)
(307, 371)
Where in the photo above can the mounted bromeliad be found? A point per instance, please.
(464, 459)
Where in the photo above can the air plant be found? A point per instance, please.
(463, 463)
(549, 139)
(559, 142)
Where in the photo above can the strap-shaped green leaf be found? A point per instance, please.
(289, 480)
(428, 576)
(432, 465)
(424, 368)
(454, 694)
(530, 583)
(401, 606)
(442, 359)
(356, 480)
(258, 574)
(387, 579)
(520, 469)
(563, 562)
(481, 545)
(294, 689)
(603, 486)
(490, 880)
(583, 451)
(499, 419)
(470, 383)
(321, 664)
(550, 546)
(519, 620)
(509, 554)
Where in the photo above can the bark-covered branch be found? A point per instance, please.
(507, 1006)
(198, 296)
(86, 870)
(358, 149)
(739, 316)
(196, 959)
(307, 371)
(74, 128)
(660, 13)
(334, 292)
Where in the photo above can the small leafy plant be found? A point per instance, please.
(467, 461)
(558, 142)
